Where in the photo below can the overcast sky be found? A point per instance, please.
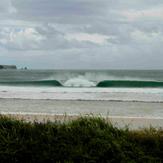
(106, 34)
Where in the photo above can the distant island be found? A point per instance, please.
(8, 67)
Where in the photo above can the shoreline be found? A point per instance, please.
(79, 107)
(118, 121)
(86, 100)
(135, 115)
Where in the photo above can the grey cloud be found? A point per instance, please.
(6, 8)
(133, 43)
(57, 9)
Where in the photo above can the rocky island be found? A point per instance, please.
(8, 67)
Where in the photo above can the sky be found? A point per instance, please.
(82, 34)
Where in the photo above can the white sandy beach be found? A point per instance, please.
(132, 114)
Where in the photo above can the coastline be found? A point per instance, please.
(81, 107)
(135, 115)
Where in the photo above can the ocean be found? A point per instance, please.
(113, 92)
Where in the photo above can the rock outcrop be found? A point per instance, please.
(8, 67)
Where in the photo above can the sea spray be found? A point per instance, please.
(79, 82)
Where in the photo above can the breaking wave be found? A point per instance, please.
(79, 82)
(130, 83)
(82, 82)
(33, 83)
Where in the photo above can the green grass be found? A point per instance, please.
(80, 141)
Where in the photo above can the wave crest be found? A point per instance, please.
(79, 82)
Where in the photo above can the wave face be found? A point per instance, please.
(54, 83)
(80, 82)
(83, 78)
(129, 84)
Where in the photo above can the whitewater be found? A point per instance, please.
(111, 85)
(134, 93)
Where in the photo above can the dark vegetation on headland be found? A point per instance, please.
(83, 140)
(8, 67)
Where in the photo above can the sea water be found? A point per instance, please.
(117, 92)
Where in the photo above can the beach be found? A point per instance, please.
(135, 115)
(81, 81)
(126, 97)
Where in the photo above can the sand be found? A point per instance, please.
(135, 115)
(120, 122)
(77, 107)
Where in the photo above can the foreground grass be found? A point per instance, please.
(83, 140)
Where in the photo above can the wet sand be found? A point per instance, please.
(80, 107)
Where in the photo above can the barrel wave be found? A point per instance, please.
(131, 84)
(85, 83)
(50, 83)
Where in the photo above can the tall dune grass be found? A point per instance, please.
(80, 141)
